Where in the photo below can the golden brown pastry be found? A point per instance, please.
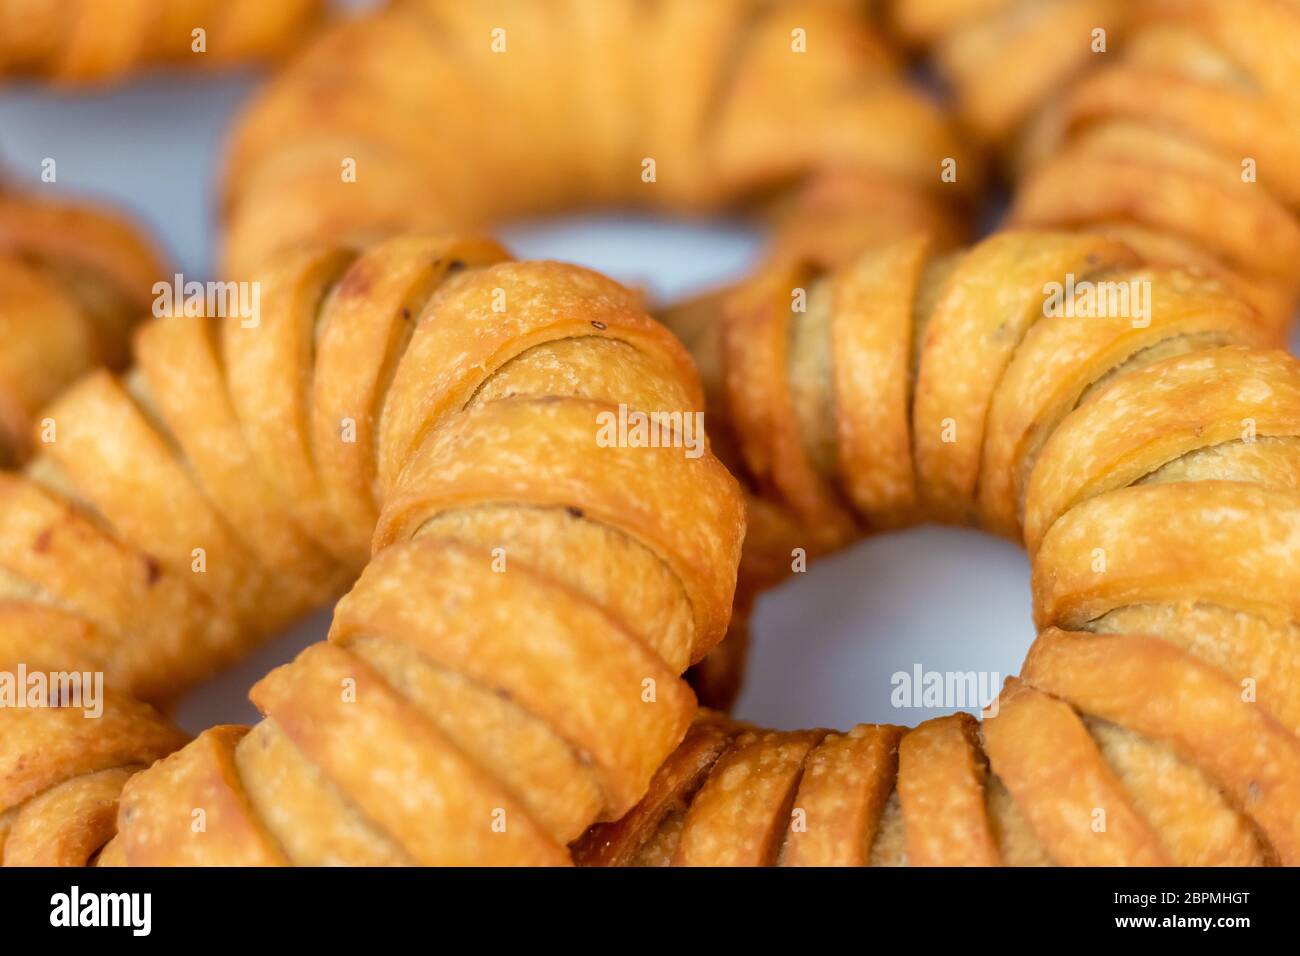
(77, 42)
(1181, 137)
(1145, 142)
(1150, 461)
(512, 653)
(432, 114)
(74, 279)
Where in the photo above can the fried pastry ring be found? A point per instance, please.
(1149, 464)
(440, 114)
(434, 401)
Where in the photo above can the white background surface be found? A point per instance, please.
(825, 643)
